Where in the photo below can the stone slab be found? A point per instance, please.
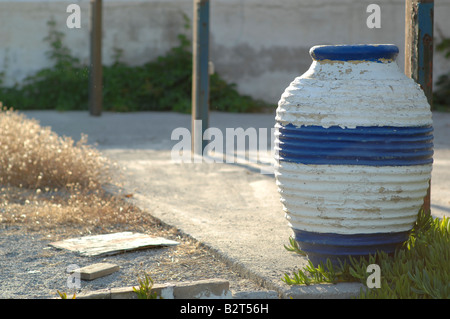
(214, 288)
(202, 289)
(111, 244)
(97, 270)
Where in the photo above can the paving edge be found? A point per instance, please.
(342, 290)
(201, 289)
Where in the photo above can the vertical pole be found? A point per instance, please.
(96, 74)
(419, 23)
(200, 75)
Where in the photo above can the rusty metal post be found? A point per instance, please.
(419, 23)
(200, 75)
(96, 74)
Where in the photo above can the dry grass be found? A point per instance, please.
(64, 214)
(34, 157)
(49, 183)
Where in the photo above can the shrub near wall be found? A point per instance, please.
(164, 84)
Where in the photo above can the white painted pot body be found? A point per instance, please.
(354, 152)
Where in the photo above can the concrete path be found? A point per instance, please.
(232, 208)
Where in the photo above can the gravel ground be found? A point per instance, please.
(31, 269)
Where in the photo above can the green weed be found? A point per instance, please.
(145, 288)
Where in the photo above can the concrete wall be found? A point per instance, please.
(261, 45)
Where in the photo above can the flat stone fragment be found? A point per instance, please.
(111, 244)
(98, 270)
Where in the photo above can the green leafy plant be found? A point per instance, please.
(418, 270)
(293, 246)
(145, 288)
(312, 275)
(163, 84)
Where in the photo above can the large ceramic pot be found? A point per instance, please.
(354, 145)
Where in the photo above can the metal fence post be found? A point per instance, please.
(96, 74)
(419, 23)
(200, 74)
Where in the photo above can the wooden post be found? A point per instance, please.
(419, 23)
(200, 75)
(96, 74)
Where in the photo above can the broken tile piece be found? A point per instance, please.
(111, 244)
(95, 271)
